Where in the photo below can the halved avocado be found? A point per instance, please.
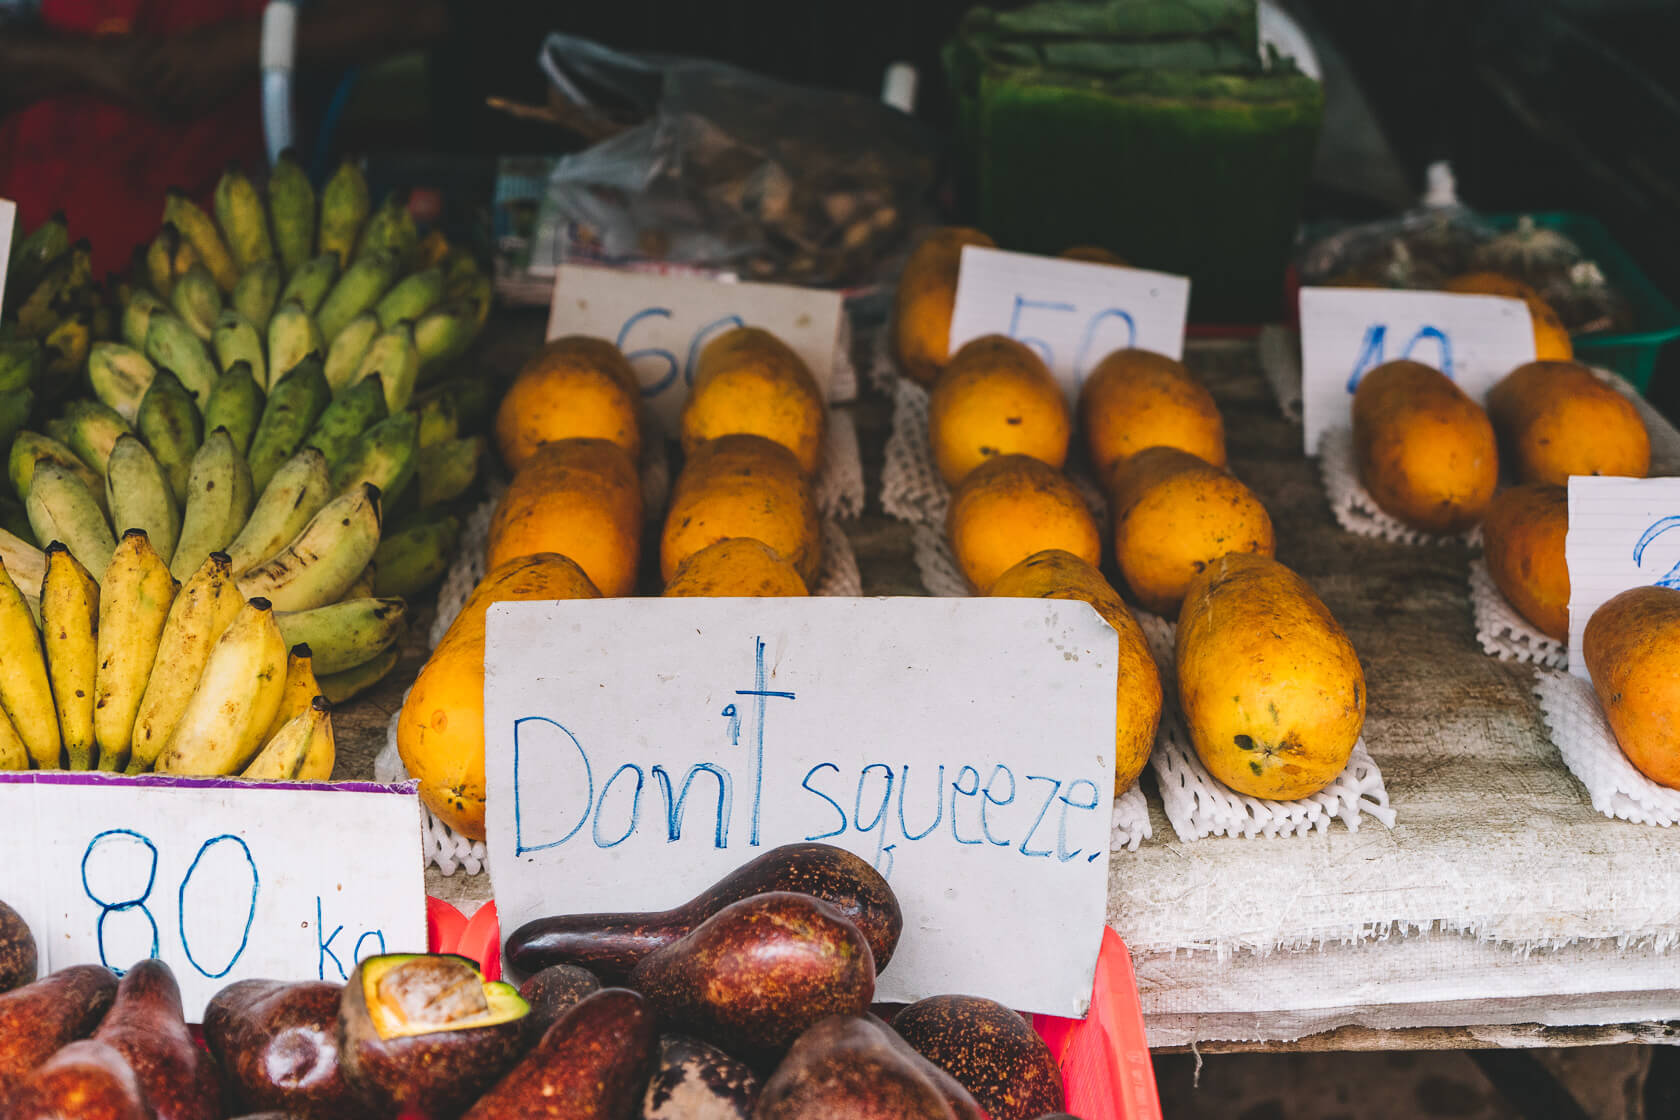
(426, 1032)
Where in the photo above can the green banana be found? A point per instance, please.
(344, 207)
(94, 429)
(293, 406)
(324, 559)
(31, 448)
(257, 293)
(35, 253)
(138, 495)
(441, 335)
(390, 229)
(67, 347)
(416, 555)
(218, 503)
(240, 213)
(413, 296)
(236, 404)
(358, 289)
(291, 210)
(383, 455)
(197, 301)
(345, 634)
(137, 316)
(347, 684)
(173, 429)
(173, 346)
(394, 358)
(160, 259)
(292, 336)
(62, 508)
(21, 363)
(445, 470)
(438, 421)
(120, 376)
(344, 356)
(295, 494)
(15, 407)
(349, 415)
(311, 282)
(474, 399)
(197, 227)
(476, 292)
(58, 287)
(235, 339)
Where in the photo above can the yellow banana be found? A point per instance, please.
(236, 698)
(239, 211)
(160, 260)
(68, 344)
(301, 688)
(196, 226)
(344, 207)
(202, 610)
(70, 625)
(324, 559)
(292, 337)
(25, 691)
(301, 743)
(134, 601)
(295, 494)
(13, 754)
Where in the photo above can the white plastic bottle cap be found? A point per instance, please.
(898, 87)
(279, 35)
(1440, 188)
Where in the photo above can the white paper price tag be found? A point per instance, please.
(1074, 313)
(638, 750)
(663, 322)
(1347, 332)
(223, 880)
(8, 222)
(1623, 532)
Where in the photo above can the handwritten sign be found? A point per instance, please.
(662, 322)
(1347, 332)
(1074, 313)
(1623, 532)
(224, 880)
(638, 750)
(8, 220)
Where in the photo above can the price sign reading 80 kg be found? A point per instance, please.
(223, 880)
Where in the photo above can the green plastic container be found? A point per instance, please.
(1632, 354)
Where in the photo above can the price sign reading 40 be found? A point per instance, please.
(662, 323)
(1072, 313)
(223, 880)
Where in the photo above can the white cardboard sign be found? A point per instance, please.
(1073, 313)
(1347, 332)
(1623, 532)
(638, 750)
(8, 220)
(224, 880)
(662, 322)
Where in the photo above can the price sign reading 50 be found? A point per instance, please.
(1072, 313)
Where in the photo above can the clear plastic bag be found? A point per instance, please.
(709, 166)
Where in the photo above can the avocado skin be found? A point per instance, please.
(590, 1065)
(990, 1050)
(147, 1026)
(276, 1046)
(38, 1018)
(17, 950)
(554, 991)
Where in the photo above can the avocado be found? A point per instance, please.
(554, 991)
(87, 1080)
(589, 1066)
(17, 950)
(147, 1027)
(426, 1032)
(38, 1018)
(854, 1067)
(610, 945)
(990, 1049)
(278, 1049)
(758, 972)
(694, 1079)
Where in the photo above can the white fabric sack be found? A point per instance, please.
(1588, 746)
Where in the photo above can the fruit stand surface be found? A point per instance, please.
(1501, 909)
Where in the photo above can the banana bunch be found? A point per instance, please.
(138, 672)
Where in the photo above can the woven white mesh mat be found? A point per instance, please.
(1504, 632)
(839, 493)
(1198, 804)
(1588, 746)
